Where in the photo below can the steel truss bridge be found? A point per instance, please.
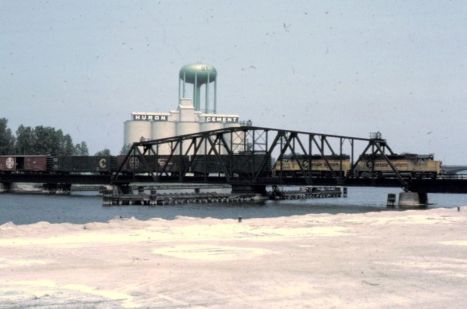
(243, 157)
(257, 145)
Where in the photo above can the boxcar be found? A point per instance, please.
(36, 163)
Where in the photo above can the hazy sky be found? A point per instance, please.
(343, 67)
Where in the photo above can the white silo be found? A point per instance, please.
(187, 127)
(183, 128)
(237, 137)
(208, 125)
(188, 122)
(136, 130)
(163, 129)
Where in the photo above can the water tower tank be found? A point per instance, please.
(199, 77)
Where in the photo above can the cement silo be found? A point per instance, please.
(237, 137)
(188, 121)
(187, 127)
(199, 78)
(135, 131)
(208, 125)
(163, 129)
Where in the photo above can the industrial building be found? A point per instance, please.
(196, 112)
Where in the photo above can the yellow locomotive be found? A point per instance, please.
(408, 165)
(331, 165)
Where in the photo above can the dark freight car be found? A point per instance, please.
(83, 164)
(237, 164)
(250, 164)
(209, 164)
(136, 164)
(152, 163)
(175, 165)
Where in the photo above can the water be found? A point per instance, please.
(26, 209)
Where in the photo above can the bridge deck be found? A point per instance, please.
(442, 184)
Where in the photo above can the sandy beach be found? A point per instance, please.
(415, 258)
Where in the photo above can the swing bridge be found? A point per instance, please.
(251, 158)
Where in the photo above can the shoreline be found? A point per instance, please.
(376, 259)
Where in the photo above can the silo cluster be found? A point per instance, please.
(194, 114)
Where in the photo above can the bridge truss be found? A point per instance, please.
(256, 148)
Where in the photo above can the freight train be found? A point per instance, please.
(239, 164)
(59, 164)
(408, 165)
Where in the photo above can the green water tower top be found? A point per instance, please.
(198, 72)
(199, 75)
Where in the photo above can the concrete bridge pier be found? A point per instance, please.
(259, 191)
(413, 199)
(124, 188)
(5, 187)
(246, 189)
(57, 188)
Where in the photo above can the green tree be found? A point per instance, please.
(81, 149)
(25, 140)
(125, 149)
(103, 152)
(47, 140)
(7, 140)
(68, 148)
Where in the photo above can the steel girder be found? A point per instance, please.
(254, 144)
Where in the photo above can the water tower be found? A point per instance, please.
(197, 79)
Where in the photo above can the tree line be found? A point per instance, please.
(40, 140)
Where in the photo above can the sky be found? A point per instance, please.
(337, 67)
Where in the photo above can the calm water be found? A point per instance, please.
(25, 209)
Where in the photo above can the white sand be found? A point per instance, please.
(388, 259)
